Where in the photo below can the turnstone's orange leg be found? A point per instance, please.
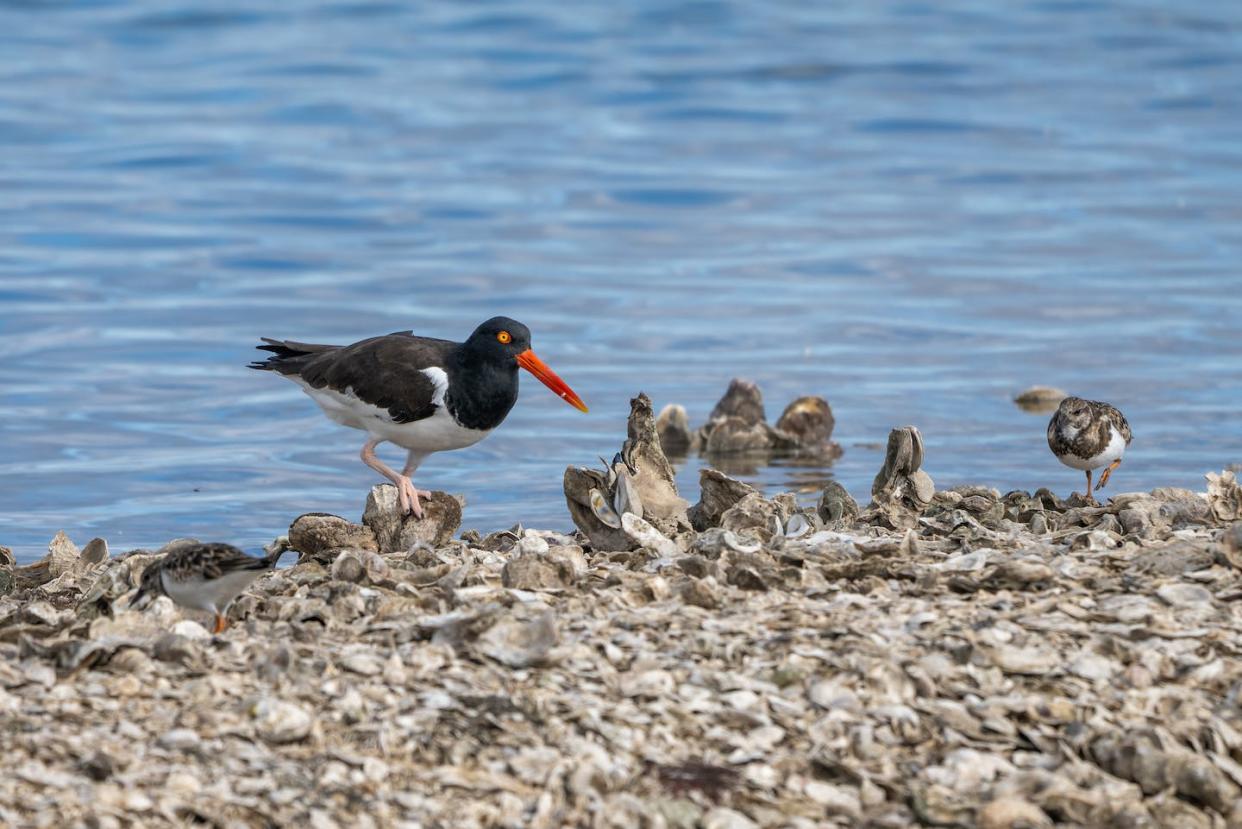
(407, 495)
(1108, 470)
(221, 623)
(1089, 496)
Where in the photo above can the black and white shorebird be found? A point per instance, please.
(423, 394)
(203, 577)
(1087, 435)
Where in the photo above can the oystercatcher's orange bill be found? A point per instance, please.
(547, 376)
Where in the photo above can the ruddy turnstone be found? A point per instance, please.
(203, 577)
(423, 394)
(1087, 435)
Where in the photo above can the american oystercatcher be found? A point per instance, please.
(203, 577)
(1088, 434)
(423, 394)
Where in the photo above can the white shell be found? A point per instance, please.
(736, 544)
(626, 499)
(797, 526)
(278, 721)
(605, 513)
(648, 536)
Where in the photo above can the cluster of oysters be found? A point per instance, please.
(633, 502)
(737, 437)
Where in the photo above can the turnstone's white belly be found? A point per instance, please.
(1114, 451)
(209, 594)
(438, 433)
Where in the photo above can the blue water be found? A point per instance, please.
(915, 209)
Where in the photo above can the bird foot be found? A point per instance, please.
(1105, 475)
(408, 496)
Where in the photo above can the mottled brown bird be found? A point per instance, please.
(1087, 435)
(203, 577)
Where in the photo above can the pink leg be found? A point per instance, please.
(411, 463)
(407, 495)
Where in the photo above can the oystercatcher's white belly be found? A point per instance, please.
(1114, 451)
(438, 433)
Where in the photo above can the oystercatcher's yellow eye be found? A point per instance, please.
(505, 337)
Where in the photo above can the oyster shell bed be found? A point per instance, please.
(975, 660)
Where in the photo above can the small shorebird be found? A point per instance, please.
(203, 577)
(1087, 435)
(423, 394)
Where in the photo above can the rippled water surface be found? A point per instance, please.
(915, 209)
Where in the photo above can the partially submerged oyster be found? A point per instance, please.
(808, 421)
(1040, 399)
(673, 426)
(738, 437)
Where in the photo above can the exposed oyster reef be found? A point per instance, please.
(948, 658)
(737, 436)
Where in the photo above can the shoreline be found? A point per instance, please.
(947, 657)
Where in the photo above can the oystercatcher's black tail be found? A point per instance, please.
(288, 357)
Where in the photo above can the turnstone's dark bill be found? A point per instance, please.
(1087, 435)
(203, 577)
(423, 394)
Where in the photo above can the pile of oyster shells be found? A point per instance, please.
(947, 658)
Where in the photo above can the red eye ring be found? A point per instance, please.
(505, 337)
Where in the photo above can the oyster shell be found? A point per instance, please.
(603, 510)
(645, 535)
(673, 427)
(639, 482)
(837, 508)
(902, 490)
(1225, 496)
(626, 496)
(1040, 399)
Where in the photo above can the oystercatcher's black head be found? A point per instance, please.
(499, 340)
(505, 343)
